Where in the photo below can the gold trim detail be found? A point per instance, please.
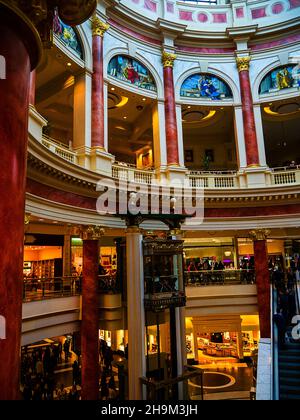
(168, 59)
(259, 234)
(92, 233)
(98, 27)
(243, 63)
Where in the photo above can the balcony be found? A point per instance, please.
(207, 180)
(37, 289)
(219, 278)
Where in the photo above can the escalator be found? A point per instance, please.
(287, 363)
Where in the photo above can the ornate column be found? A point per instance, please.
(135, 312)
(101, 160)
(262, 280)
(170, 110)
(90, 373)
(252, 153)
(99, 28)
(20, 46)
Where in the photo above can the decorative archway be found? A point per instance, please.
(68, 36)
(280, 78)
(131, 71)
(205, 86)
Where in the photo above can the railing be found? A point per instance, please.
(59, 149)
(35, 289)
(127, 172)
(286, 175)
(275, 343)
(219, 278)
(167, 390)
(289, 175)
(214, 179)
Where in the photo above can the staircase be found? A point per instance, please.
(289, 370)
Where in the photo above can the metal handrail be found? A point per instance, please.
(219, 277)
(36, 289)
(275, 346)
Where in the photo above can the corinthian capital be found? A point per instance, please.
(92, 233)
(259, 234)
(99, 28)
(168, 59)
(243, 63)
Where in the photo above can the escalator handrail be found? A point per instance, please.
(275, 347)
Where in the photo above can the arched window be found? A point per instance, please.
(283, 77)
(67, 35)
(203, 85)
(131, 71)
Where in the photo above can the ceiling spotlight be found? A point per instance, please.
(69, 64)
(144, 99)
(113, 89)
(125, 118)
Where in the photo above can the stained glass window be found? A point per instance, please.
(131, 71)
(284, 77)
(67, 35)
(205, 86)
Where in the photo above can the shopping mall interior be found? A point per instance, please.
(117, 118)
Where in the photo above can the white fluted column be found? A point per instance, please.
(136, 313)
(82, 117)
(260, 135)
(240, 137)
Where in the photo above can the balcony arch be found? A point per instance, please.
(158, 92)
(68, 36)
(223, 78)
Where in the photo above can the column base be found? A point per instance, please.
(176, 176)
(101, 161)
(84, 156)
(254, 177)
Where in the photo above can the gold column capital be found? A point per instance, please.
(243, 63)
(90, 233)
(27, 218)
(259, 234)
(168, 59)
(98, 27)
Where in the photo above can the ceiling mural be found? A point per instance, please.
(284, 77)
(131, 71)
(67, 35)
(205, 86)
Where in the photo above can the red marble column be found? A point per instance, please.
(20, 50)
(90, 321)
(98, 126)
(263, 287)
(248, 113)
(32, 87)
(170, 111)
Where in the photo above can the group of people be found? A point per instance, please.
(38, 381)
(286, 303)
(205, 265)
